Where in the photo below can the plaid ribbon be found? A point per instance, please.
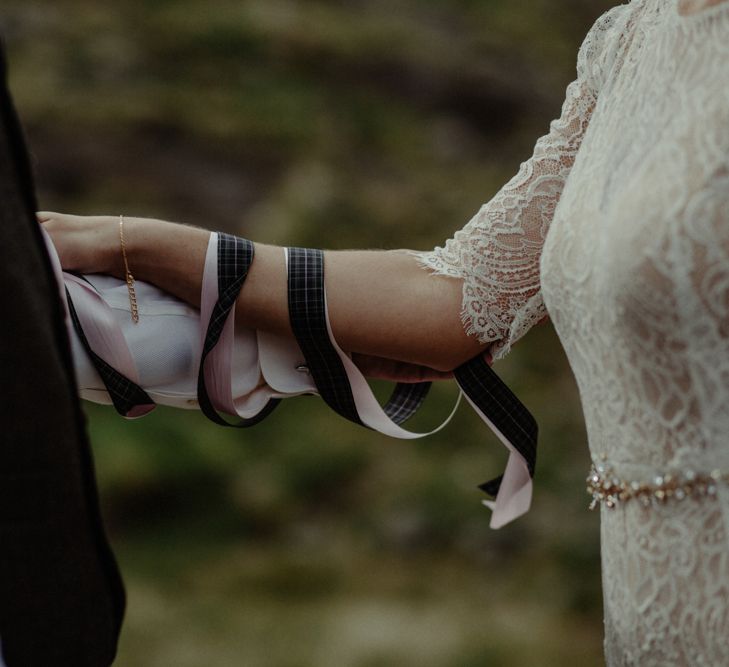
(503, 409)
(125, 394)
(308, 317)
(307, 313)
(235, 256)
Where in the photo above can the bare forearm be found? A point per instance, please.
(381, 303)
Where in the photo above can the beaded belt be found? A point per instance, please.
(608, 489)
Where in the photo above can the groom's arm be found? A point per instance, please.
(61, 600)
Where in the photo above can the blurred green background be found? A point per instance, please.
(307, 541)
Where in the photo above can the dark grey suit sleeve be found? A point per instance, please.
(61, 596)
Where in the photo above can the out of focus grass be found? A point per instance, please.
(306, 541)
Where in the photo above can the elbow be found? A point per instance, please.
(451, 359)
(445, 345)
(453, 349)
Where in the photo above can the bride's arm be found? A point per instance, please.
(381, 303)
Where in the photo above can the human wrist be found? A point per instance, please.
(167, 254)
(104, 253)
(142, 238)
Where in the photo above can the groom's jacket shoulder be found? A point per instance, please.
(61, 597)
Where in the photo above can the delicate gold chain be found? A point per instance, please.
(129, 276)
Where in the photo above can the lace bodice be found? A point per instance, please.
(618, 227)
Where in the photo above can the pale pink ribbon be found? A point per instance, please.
(279, 359)
(264, 366)
(100, 327)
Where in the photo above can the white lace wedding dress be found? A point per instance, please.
(618, 228)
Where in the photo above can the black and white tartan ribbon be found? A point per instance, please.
(495, 403)
(235, 256)
(307, 314)
(505, 413)
(335, 375)
(127, 396)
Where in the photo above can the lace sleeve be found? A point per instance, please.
(497, 253)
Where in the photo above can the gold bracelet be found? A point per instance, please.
(129, 276)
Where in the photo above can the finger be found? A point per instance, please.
(45, 216)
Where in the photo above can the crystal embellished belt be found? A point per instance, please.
(605, 487)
